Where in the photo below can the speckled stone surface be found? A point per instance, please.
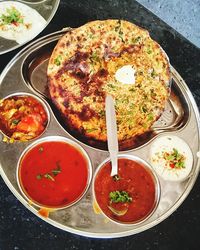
(182, 15)
(20, 229)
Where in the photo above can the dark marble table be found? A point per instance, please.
(20, 229)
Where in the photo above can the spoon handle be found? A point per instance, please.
(111, 126)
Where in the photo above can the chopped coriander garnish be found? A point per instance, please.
(118, 26)
(110, 85)
(39, 176)
(119, 196)
(94, 57)
(149, 51)
(91, 35)
(144, 109)
(150, 117)
(132, 89)
(57, 170)
(136, 40)
(52, 174)
(12, 15)
(121, 35)
(119, 30)
(15, 121)
(89, 130)
(102, 113)
(175, 159)
(48, 176)
(57, 60)
(153, 73)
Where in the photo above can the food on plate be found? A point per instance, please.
(22, 117)
(53, 174)
(19, 22)
(171, 158)
(129, 197)
(112, 57)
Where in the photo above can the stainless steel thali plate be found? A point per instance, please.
(27, 73)
(45, 8)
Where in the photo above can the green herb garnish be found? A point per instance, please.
(95, 57)
(149, 51)
(12, 16)
(119, 30)
(150, 117)
(119, 196)
(57, 60)
(91, 35)
(15, 121)
(102, 113)
(39, 176)
(121, 35)
(52, 174)
(89, 130)
(57, 170)
(132, 89)
(136, 40)
(118, 26)
(144, 109)
(153, 73)
(175, 159)
(48, 176)
(110, 85)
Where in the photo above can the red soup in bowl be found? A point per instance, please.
(131, 196)
(54, 172)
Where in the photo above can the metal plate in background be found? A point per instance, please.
(46, 8)
(27, 73)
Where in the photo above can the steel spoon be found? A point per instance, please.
(112, 139)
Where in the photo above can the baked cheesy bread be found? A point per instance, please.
(112, 57)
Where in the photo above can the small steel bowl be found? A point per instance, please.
(24, 94)
(156, 184)
(75, 145)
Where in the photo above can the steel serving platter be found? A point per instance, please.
(27, 73)
(46, 8)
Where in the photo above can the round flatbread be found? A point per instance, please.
(19, 22)
(112, 57)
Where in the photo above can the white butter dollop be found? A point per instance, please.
(126, 74)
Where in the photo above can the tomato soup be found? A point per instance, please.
(128, 197)
(54, 174)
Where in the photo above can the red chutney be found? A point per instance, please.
(133, 179)
(53, 174)
(22, 117)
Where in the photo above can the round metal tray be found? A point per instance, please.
(46, 8)
(27, 73)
